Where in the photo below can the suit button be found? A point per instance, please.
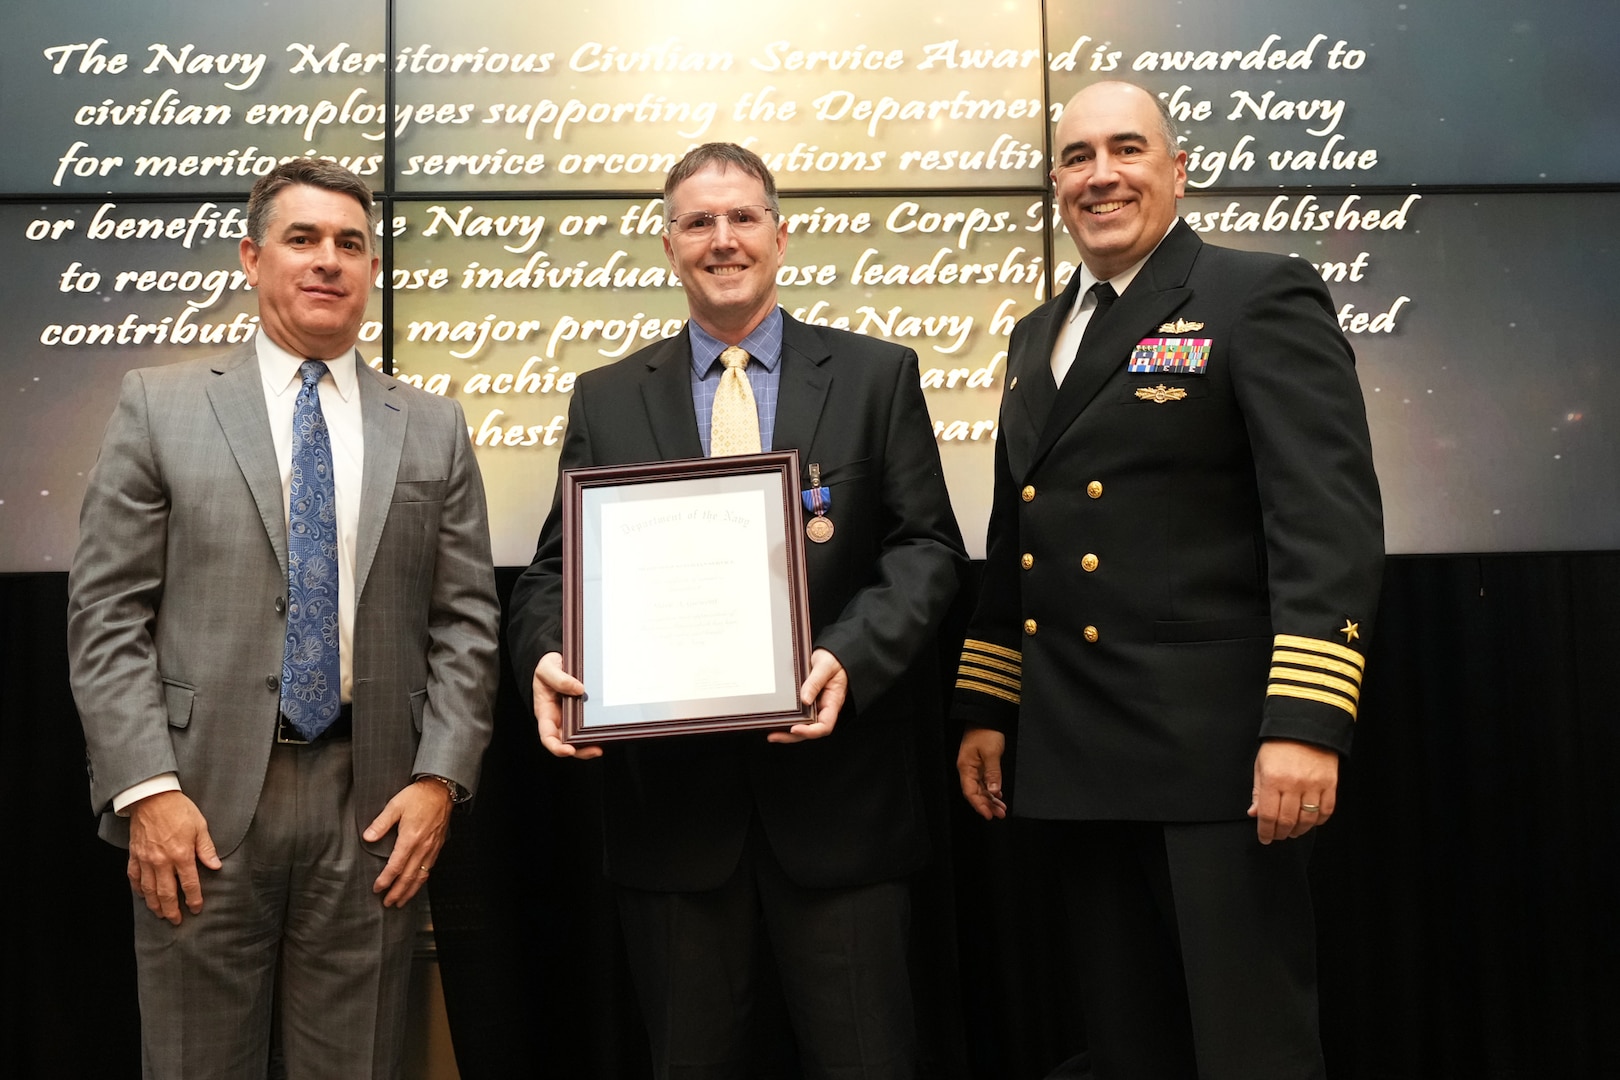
(1028, 560)
(1088, 562)
(271, 682)
(1028, 493)
(1029, 626)
(281, 605)
(1090, 634)
(1094, 489)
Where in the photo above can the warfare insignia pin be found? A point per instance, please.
(1161, 393)
(1180, 326)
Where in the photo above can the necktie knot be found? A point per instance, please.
(734, 422)
(311, 371)
(1106, 296)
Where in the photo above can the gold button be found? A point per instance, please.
(1089, 633)
(1028, 560)
(1029, 626)
(1094, 489)
(1029, 493)
(1088, 562)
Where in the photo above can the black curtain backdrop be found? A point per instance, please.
(1466, 890)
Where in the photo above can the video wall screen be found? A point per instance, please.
(1450, 168)
(510, 320)
(1490, 372)
(188, 96)
(607, 96)
(1312, 93)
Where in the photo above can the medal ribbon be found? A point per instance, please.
(817, 500)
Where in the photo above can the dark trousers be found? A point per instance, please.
(1196, 947)
(289, 926)
(841, 955)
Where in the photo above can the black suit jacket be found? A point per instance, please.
(1178, 565)
(839, 811)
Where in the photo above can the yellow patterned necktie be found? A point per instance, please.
(734, 423)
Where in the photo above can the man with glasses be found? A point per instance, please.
(799, 841)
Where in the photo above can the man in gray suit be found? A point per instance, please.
(300, 735)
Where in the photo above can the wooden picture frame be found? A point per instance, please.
(685, 608)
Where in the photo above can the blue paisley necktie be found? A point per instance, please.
(310, 672)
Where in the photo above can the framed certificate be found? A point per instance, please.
(684, 602)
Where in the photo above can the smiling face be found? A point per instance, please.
(729, 276)
(1117, 177)
(313, 272)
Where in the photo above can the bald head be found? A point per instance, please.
(1119, 90)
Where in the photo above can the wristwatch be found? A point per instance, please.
(458, 794)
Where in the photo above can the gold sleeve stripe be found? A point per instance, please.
(1324, 647)
(1284, 656)
(969, 671)
(990, 663)
(1349, 689)
(1283, 690)
(993, 650)
(986, 688)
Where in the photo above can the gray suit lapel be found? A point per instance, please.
(667, 393)
(237, 397)
(383, 414)
(801, 390)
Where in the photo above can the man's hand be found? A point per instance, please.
(1295, 786)
(551, 682)
(167, 838)
(422, 812)
(825, 688)
(978, 766)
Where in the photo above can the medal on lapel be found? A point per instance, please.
(816, 501)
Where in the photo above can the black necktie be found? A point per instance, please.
(1043, 390)
(1106, 296)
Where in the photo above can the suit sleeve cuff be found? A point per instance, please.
(1313, 692)
(989, 686)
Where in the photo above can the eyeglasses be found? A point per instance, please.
(700, 223)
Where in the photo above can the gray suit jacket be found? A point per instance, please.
(177, 596)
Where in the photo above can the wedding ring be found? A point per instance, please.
(1308, 807)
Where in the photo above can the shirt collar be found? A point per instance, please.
(279, 369)
(764, 343)
(1120, 281)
